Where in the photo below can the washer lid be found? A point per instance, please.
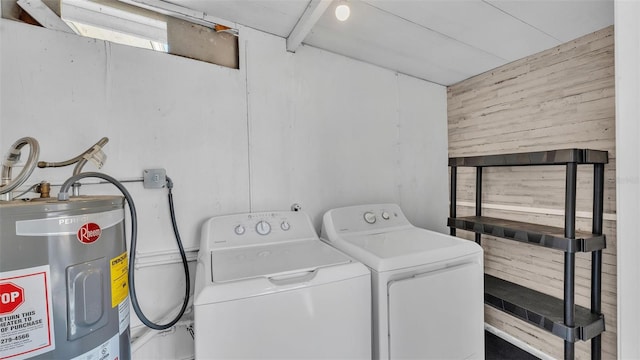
(274, 259)
(404, 248)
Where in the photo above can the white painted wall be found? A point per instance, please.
(627, 40)
(341, 132)
(312, 128)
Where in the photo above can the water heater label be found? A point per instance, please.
(119, 279)
(26, 313)
(109, 350)
(123, 315)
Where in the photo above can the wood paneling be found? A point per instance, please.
(559, 98)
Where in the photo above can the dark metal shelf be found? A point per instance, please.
(551, 157)
(542, 235)
(560, 317)
(541, 310)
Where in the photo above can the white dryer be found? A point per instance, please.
(427, 287)
(267, 287)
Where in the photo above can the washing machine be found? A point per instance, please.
(267, 287)
(427, 287)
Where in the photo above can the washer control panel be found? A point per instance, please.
(382, 216)
(370, 216)
(365, 218)
(256, 228)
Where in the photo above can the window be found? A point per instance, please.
(116, 22)
(123, 23)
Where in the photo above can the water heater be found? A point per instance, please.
(63, 279)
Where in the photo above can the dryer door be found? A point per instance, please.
(438, 315)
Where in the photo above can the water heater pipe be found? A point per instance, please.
(8, 185)
(81, 159)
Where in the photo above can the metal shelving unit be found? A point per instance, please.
(560, 317)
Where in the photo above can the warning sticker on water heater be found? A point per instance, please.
(26, 313)
(123, 315)
(109, 350)
(119, 279)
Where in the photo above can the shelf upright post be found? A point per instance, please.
(478, 198)
(452, 197)
(570, 257)
(596, 256)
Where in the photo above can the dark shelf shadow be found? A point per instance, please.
(495, 348)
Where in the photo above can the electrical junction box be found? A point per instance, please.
(154, 178)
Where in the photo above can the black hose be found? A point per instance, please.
(64, 195)
(183, 256)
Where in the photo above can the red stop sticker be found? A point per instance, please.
(11, 296)
(89, 233)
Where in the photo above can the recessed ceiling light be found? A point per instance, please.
(342, 12)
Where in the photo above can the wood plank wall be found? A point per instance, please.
(559, 98)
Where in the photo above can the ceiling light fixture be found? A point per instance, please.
(342, 12)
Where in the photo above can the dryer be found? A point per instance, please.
(427, 287)
(267, 287)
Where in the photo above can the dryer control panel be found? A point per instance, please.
(247, 229)
(364, 218)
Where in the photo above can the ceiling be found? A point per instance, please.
(442, 41)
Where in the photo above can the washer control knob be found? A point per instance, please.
(385, 215)
(370, 217)
(285, 226)
(263, 227)
(239, 230)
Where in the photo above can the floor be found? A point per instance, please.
(498, 349)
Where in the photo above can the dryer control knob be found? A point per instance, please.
(285, 226)
(370, 217)
(263, 228)
(385, 215)
(239, 230)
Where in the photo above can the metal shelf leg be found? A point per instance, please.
(596, 256)
(452, 197)
(478, 198)
(570, 258)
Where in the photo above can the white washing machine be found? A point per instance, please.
(427, 287)
(267, 287)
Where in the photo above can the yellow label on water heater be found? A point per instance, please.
(119, 279)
